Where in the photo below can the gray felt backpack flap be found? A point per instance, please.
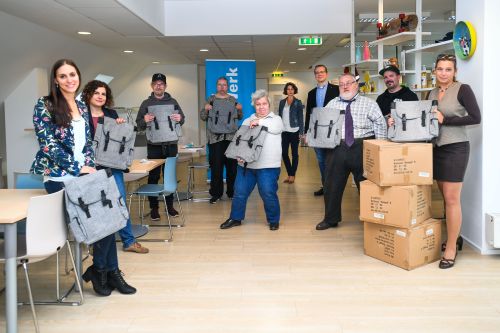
(414, 121)
(223, 118)
(247, 143)
(114, 144)
(325, 128)
(94, 206)
(163, 128)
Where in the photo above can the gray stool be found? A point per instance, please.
(190, 182)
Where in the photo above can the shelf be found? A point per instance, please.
(421, 89)
(407, 72)
(438, 47)
(364, 64)
(398, 38)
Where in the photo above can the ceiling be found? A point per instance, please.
(115, 28)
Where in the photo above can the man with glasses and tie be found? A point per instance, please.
(320, 96)
(163, 101)
(363, 120)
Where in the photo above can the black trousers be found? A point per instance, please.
(218, 161)
(156, 152)
(340, 162)
(290, 139)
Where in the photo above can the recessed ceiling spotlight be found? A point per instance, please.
(203, 50)
(84, 33)
(301, 49)
(155, 62)
(292, 62)
(128, 51)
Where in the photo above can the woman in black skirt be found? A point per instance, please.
(457, 108)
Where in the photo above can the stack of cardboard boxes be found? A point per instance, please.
(396, 204)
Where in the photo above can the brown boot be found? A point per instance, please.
(136, 247)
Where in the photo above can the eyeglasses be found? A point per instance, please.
(159, 84)
(347, 84)
(319, 72)
(443, 56)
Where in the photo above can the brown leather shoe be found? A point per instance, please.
(137, 248)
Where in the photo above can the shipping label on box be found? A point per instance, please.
(400, 206)
(405, 248)
(389, 163)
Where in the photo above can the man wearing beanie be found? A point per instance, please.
(159, 150)
(394, 91)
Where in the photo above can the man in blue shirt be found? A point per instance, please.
(320, 96)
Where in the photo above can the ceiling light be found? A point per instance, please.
(128, 51)
(203, 50)
(84, 33)
(301, 49)
(292, 62)
(450, 15)
(155, 62)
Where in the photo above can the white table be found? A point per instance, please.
(13, 208)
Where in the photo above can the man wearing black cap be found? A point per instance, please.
(159, 150)
(394, 91)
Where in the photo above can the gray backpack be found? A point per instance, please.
(114, 144)
(247, 143)
(94, 206)
(162, 128)
(223, 118)
(413, 121)
(325, 128)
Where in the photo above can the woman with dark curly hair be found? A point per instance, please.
(291, 111)
(98, 97)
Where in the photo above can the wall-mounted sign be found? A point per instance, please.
(310, 40)
(464, 40)
(277, 74)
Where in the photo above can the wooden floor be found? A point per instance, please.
(249, 279)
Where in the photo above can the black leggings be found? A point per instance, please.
(290, 139)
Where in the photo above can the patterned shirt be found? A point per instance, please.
(366, 115)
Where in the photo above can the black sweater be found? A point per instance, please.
(384, 100)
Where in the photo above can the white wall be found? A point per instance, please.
(152, 11)
(21, 143)
(182, 84)
(481, 188)
(257, 17)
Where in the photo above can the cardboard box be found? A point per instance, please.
(390, 163)
(405, 248)
(399, 206)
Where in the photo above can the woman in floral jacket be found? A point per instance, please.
(62, 128)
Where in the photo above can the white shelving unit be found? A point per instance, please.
(434, 48)
(371, 64)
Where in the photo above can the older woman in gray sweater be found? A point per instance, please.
(263, 172)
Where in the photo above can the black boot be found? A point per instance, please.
(99, 280)
(115, 280)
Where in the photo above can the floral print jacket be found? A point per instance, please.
(55, 157)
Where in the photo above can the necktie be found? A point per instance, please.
(349, 126)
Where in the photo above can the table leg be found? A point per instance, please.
(11, 277)
(78, 263)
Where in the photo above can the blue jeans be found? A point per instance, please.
(267, 183)
(105, 256)
(126, 233)
(321, 157)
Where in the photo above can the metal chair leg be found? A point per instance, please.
(30, 295)
(180, 208)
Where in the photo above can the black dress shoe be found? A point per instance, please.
(274, 227)
(323, 225)
(319, 192)
(230, 223)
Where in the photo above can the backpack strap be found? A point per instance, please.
(84, 207)
(170, 124)
(250, 142)
(403, 120)
(330, 127)
(423, 117)
(122, 146)
(106, 141)
(315, 129)
(105, 201)
(216, 117)
(238, 138)
(157, 126)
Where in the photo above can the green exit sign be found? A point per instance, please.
(310, 40)
(277, 74)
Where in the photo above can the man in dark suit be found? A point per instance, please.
(320, 96)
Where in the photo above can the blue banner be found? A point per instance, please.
(240, 75)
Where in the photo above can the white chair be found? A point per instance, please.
(46, 235)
